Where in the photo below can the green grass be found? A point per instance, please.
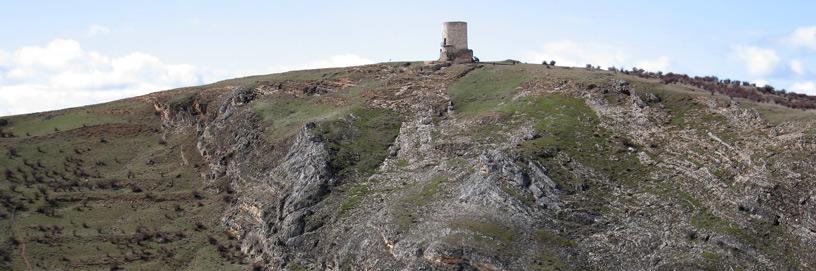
(516, 193)
(681, 102)
(283, 115)
(401, 163)
(417, 197)
(484, 90)
(546, 256)
(427, 192)
(776, 114)
(485, 227)
(706, 220)
(483, 235)
(770, 240)
(98, 219)
(568, 125)
(711, 256)
(353, 197)
(703, 218)
(297, 267)
(552, 239)
(680, 106)
(64, 120)
(564, 124)
(687, 201)
(359, 143)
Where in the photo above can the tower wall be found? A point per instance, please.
(455, 35)
(454, 43)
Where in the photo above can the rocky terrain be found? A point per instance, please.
(413, 166)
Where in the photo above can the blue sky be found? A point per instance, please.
(82, 52)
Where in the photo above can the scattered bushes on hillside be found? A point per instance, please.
(198, 195)
(8, 174)
(3, 134)
(738, 89)
(728, 87)
(12, 152)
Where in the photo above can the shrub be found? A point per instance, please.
(739, 89)
(14, 241)
(12, 152)
(198, 195)
(257, 266)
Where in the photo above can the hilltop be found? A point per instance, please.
(414, 166)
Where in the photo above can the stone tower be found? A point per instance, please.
(454, 43)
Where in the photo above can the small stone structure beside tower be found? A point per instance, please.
(454, 43)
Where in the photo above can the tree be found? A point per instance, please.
(552, 62)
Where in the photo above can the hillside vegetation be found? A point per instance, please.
(413, 166)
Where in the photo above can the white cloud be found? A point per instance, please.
(343, 60)
(62, 74)
(803, 37)
(57, 54)
(578, 54)
(797, 67)
(570, 53)
(807, 87)
(94, 30)
(3, 56)
(758, 61)
(658, 64)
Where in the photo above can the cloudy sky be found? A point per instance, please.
(56, 54)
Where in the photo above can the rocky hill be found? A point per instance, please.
(412, 166)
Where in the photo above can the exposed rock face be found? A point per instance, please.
(300, 181)
(493, 192)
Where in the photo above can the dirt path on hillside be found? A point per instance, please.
(22, 241)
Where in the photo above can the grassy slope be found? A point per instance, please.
(568, 125)
(92, 187)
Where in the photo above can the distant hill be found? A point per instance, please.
(413, 166)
